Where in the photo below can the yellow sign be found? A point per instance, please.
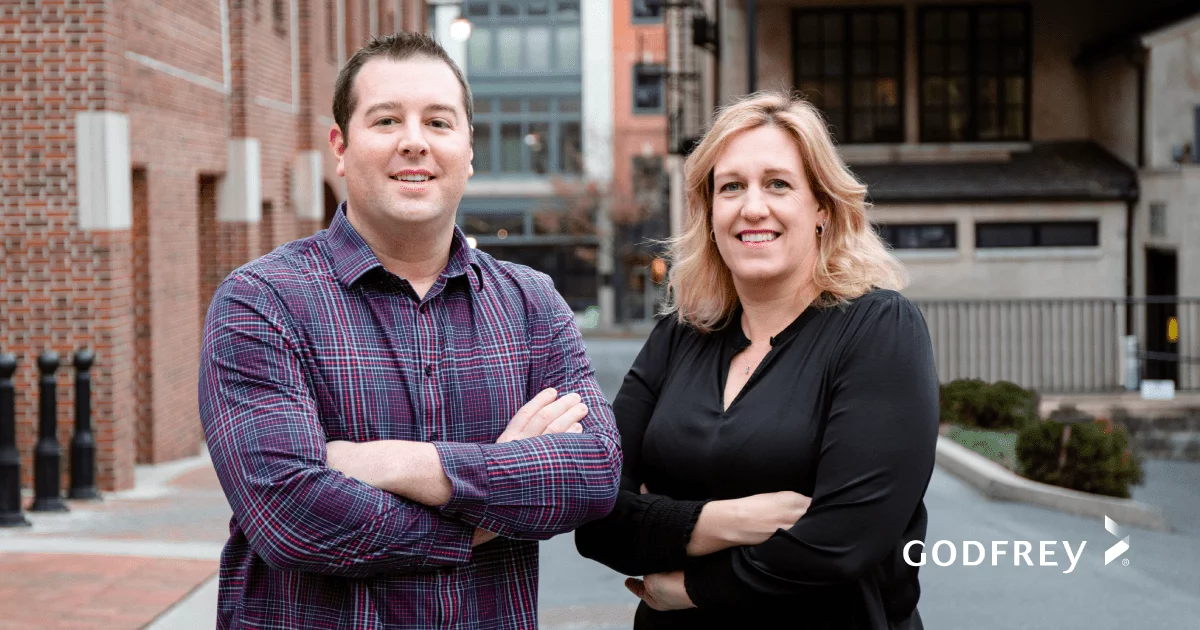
(1172, 330)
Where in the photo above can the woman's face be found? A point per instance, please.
(764, 213)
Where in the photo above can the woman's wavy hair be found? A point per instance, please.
(851, 258)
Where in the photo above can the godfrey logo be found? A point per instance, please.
(1115, 551)
(974, 553)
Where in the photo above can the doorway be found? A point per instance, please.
(1162, 338)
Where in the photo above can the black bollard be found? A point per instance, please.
(83, 443)
(10, 458)
(47, 455)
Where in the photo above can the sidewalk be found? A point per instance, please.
(142, 558)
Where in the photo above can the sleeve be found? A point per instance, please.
(540, 487)
(876, 458)
(645, 533)
(268, 447)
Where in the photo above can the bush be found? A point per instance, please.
(1001, 405)
(1098, 459)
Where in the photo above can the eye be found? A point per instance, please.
(778, 184)
(731, 187)
(386, 121)
(440, 123)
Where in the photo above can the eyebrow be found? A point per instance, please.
(769, 171)
(395, 105)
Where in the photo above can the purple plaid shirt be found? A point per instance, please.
(315, 342)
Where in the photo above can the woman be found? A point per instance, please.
(788, 368)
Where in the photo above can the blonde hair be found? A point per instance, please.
(851, 258)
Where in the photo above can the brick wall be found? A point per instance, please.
(137, 296)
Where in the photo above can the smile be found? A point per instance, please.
(758, 237)
(416, 179)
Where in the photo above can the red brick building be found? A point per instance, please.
(149, 147)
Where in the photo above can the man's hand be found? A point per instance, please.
(747, 521)
(482, 536)
(544, 415)
(661, 591)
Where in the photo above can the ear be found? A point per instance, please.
(337, 142)
(471, 159)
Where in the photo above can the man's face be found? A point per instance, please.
(409, 154)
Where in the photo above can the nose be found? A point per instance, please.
(412, 140)
(755, 207)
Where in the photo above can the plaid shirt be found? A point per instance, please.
(315, 342)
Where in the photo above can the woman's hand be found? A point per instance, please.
(661, 591)
(747, 521)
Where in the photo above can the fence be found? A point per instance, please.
(1070, 345)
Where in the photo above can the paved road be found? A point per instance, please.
(1160, 588)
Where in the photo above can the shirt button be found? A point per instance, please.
(429, 370)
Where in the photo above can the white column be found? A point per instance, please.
(443, 16)
(239, 193)
(373, 17)
(597, 33)
(596, 28)
(308, 192)
(397, 16)
(102, 170)
(341, 32)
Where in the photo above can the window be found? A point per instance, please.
(850, 64)
(1038, 234)
(645, 11)
(279, 16)
(974, 73)
(1158, 218)
(649, 84)
(523, 48)
(919, 235)
(535, 135)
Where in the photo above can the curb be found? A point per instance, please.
(1001, 484)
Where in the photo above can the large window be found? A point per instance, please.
(530, 135)
(974, 73)
(1037, 234)
(649, 87)
(850, 64)
(919, 235)
(647, 11)
(530, 36)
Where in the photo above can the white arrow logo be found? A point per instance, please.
(1115, 551)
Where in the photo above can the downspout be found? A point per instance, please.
(1139, 63)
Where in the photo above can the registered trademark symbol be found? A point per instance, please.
(1125, 562)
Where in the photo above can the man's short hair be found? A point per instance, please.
(395, 47)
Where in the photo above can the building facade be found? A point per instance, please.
(1031, 150)
(150, 148)
(542, 116)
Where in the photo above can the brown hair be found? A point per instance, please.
(396, 47)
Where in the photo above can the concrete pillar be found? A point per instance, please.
(240, 196)
(102, 167)
(308, 194)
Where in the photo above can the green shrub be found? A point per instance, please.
(1098, 459)
(974, 403)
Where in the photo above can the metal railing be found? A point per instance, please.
(1065, 345)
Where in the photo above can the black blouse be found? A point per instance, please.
(843, 408)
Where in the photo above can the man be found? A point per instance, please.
(381, 401)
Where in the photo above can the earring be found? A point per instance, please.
(820, 229)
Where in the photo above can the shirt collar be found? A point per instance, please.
(352, 258)
(737, 337)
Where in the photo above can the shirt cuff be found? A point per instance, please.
(667, 530)
(711, 582)
(466, 468)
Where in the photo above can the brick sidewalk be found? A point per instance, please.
(88, 591)
(80, 570)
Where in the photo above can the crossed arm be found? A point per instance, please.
(875, 460)
(271, 455)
